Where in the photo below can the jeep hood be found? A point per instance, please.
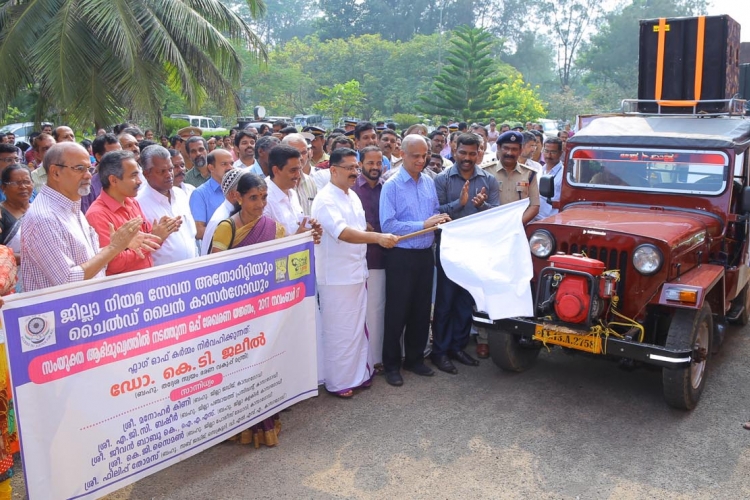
(670, 226)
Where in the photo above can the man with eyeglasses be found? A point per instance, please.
(553, 150)
(341, 274)
(58, 245)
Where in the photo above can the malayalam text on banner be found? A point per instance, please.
(116, 379)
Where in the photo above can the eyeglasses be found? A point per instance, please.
(79, 169)
(348, 169)
(12, 159)
(19, 184)
(549, 152)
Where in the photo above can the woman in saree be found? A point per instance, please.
(17, 188)
(248, 226)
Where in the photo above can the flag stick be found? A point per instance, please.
(417, 233)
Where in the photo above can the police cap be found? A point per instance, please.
(510, 136)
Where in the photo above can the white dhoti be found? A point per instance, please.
(343, 309)
(376, 314)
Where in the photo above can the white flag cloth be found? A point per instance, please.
(488, 255)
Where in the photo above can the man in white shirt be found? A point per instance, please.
(283, 204)
(553, 150)
(229, 188)
(341, 273)
(306, 189)
(160, 198)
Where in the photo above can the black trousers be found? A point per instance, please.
(408, 300)
(452, 319)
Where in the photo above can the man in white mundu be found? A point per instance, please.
(341, 272)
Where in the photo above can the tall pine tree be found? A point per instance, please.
(462, 89)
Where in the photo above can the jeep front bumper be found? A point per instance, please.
(536, 333)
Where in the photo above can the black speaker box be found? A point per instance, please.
(688, 59)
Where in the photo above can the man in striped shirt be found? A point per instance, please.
(58, 245)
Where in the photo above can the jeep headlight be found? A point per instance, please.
(542, 244)
(647, 259)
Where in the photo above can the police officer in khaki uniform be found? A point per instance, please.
(517, 182)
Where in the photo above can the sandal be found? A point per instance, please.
(344, 394)
(746, 426)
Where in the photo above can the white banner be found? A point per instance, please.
(118, 378)
(488, 255)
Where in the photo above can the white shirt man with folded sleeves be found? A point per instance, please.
(341, 273)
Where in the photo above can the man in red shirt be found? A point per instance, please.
(120, 177)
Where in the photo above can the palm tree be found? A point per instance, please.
(95, 60)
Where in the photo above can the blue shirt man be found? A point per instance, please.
(208, 196)
(408, 203)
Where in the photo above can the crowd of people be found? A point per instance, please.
(124, 202)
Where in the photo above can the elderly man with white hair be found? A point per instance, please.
(159, 199)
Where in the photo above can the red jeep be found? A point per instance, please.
(647, 260)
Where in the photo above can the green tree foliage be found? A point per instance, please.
(462, 88)
(569, 22)
(534, 58)
(516, 100)
(340, 100)
(98, 60)
(394, 20)
(611, 56)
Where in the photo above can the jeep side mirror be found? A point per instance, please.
(745, 205)
(547, 187)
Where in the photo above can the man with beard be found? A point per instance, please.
(161, 200)
(517, 182)
(58, 244)
(368, 187)
(245, 141)
(341, 274)
(463, 189)
(197, 150)
(120, 176)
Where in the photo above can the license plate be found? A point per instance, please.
(580, 342)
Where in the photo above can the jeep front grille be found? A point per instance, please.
(611, 258)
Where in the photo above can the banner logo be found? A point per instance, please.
(37, 331)
(299, 264)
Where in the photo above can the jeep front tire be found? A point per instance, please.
(508, 354)
(690, 329)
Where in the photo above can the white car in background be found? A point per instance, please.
(550, 128)
(20, 130)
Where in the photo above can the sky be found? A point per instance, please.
(739, 10)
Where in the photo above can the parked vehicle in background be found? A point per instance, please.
(550, 128)
(205, 123)
(21, 130)
(301, 121)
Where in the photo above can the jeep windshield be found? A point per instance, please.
(649, 170)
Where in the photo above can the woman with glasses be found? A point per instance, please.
(17, 188)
